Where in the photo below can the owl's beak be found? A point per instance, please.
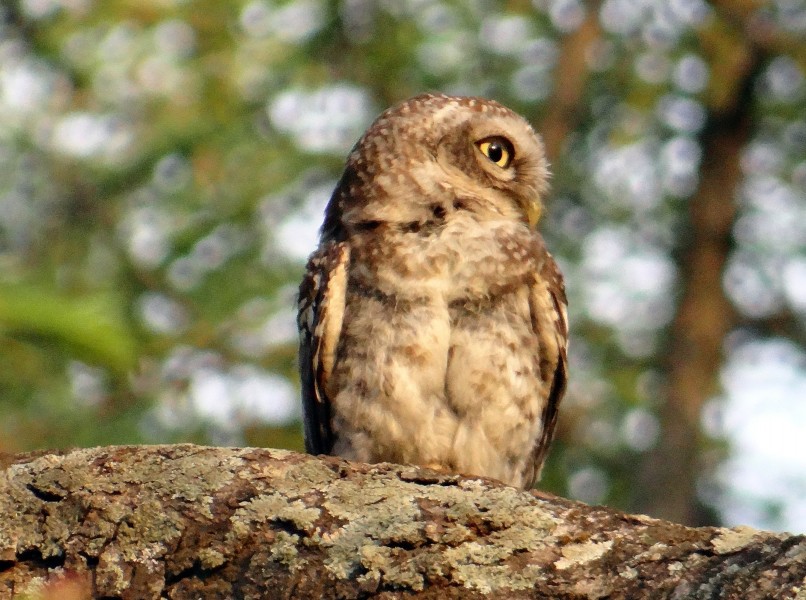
(533, 209)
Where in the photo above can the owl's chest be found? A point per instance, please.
(461, 260)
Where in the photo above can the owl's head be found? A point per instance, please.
(434, 155)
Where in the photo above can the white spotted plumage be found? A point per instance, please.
(432, 319)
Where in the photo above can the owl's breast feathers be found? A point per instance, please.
(472, 269)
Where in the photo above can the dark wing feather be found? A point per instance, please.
(548, 305)
(320, 317)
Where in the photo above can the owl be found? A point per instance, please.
(432, 319)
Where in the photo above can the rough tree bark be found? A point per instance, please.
(194, 522)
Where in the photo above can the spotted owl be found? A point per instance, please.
(432, 318)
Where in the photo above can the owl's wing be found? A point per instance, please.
(320, 317)
(548, 306)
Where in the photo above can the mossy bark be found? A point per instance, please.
(195, 522)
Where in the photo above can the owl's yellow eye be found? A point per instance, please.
(499, 150)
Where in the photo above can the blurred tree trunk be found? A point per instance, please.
(565, 108)
(192, 522)
(705, 316)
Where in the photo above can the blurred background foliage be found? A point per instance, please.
(164, 165)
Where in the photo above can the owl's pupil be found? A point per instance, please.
(495, 152)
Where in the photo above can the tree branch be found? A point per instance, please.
(194, 522)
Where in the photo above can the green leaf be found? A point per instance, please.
(93, 325)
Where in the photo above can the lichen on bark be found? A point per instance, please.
(187, 521)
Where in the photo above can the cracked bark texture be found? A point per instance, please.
(188, 521)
